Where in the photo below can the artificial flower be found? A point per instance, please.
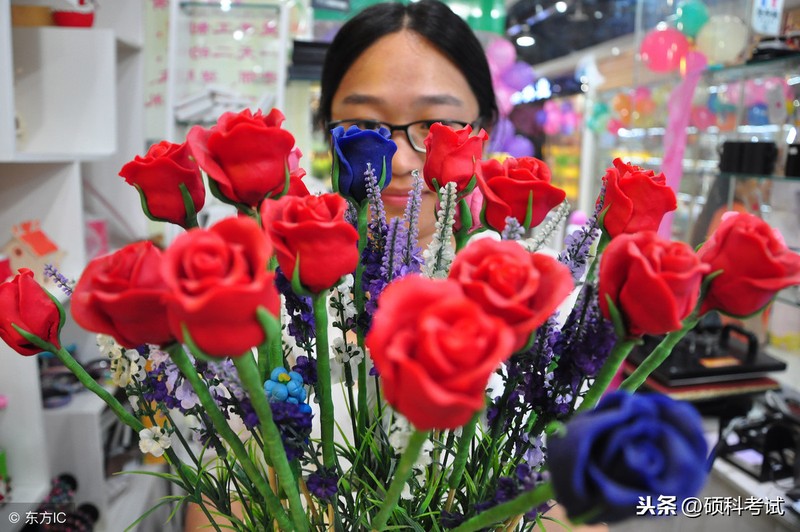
(435, 362)
(519, 188)
(246, 155)
(635, 199)
(159, 175)
(24, 303)
(218, 279)
(311, 231)
(629, 447)
(452, 156)
(654, 283)
(121, 295)
(356, 153)
(520, 287)
(154, 441)
(754, 264)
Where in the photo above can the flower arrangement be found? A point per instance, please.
(334, 375)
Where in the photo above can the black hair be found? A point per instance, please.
(431, 19)
(718, 196)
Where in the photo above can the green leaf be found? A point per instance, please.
(188, 204)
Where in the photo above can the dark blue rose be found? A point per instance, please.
(353, 149)
(627, 448)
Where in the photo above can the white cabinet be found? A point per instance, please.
(70, 117)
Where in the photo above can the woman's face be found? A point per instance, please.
(403, 78)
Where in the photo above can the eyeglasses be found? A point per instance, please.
(415, 131)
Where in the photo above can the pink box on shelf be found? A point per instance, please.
(96, 238)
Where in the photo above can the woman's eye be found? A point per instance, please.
(368, 124)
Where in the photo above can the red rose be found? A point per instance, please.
(509, 187)
(755, 264)
(435, 349)
(635, 199)
(122, 295)
(452, 156)
(246, 154)
(158, 177)
(520, 287)
(24, 303)
(654, 283)
(313, 231)
(218, 279)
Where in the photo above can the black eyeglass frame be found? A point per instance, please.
(404, 128)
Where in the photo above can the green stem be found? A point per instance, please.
(657, 357)
(501, 512)
(181, 359)
(460, 461)
(401, 475)
(324, 390)
(252, 384)
(362, 419)
(85, 379)
(621, 350)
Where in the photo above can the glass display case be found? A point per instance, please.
(224, 56)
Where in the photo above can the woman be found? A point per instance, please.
(404, 67)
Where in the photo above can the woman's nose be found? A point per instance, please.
(406, 158)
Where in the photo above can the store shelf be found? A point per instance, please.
(68, 74)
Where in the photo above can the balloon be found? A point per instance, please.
(644, 106)
(642, 93)
(702, 118)
(614, 126)
(518, 76)
(727, 122)
(519, 146)
(722, 38)
(663, 49)
(503, 94)
(755, 91)
(621, 102)
(693, 61)
(758, 114)
(690, 17)
(502, 53)
(569, 122)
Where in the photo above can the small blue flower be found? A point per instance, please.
(285, 386)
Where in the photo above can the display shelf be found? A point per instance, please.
(142, 492)
(22, 435)
(50, 193)
(64, 106)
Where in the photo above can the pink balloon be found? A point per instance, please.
(755, 91)
(642, 93)
(663, 49)
(702, 118)
(614, 126)
(502, 53)
(503, 94)
(693, 61)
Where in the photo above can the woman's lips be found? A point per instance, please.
(394, 198)
(399, 197)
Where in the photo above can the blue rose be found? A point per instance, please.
(629, 447)
(353, 149)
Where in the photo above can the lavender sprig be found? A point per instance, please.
(62, 282)
(513, 229)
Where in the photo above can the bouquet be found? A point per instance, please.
(321, 371)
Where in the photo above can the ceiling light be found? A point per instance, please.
(525, 40)
(561, 7)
